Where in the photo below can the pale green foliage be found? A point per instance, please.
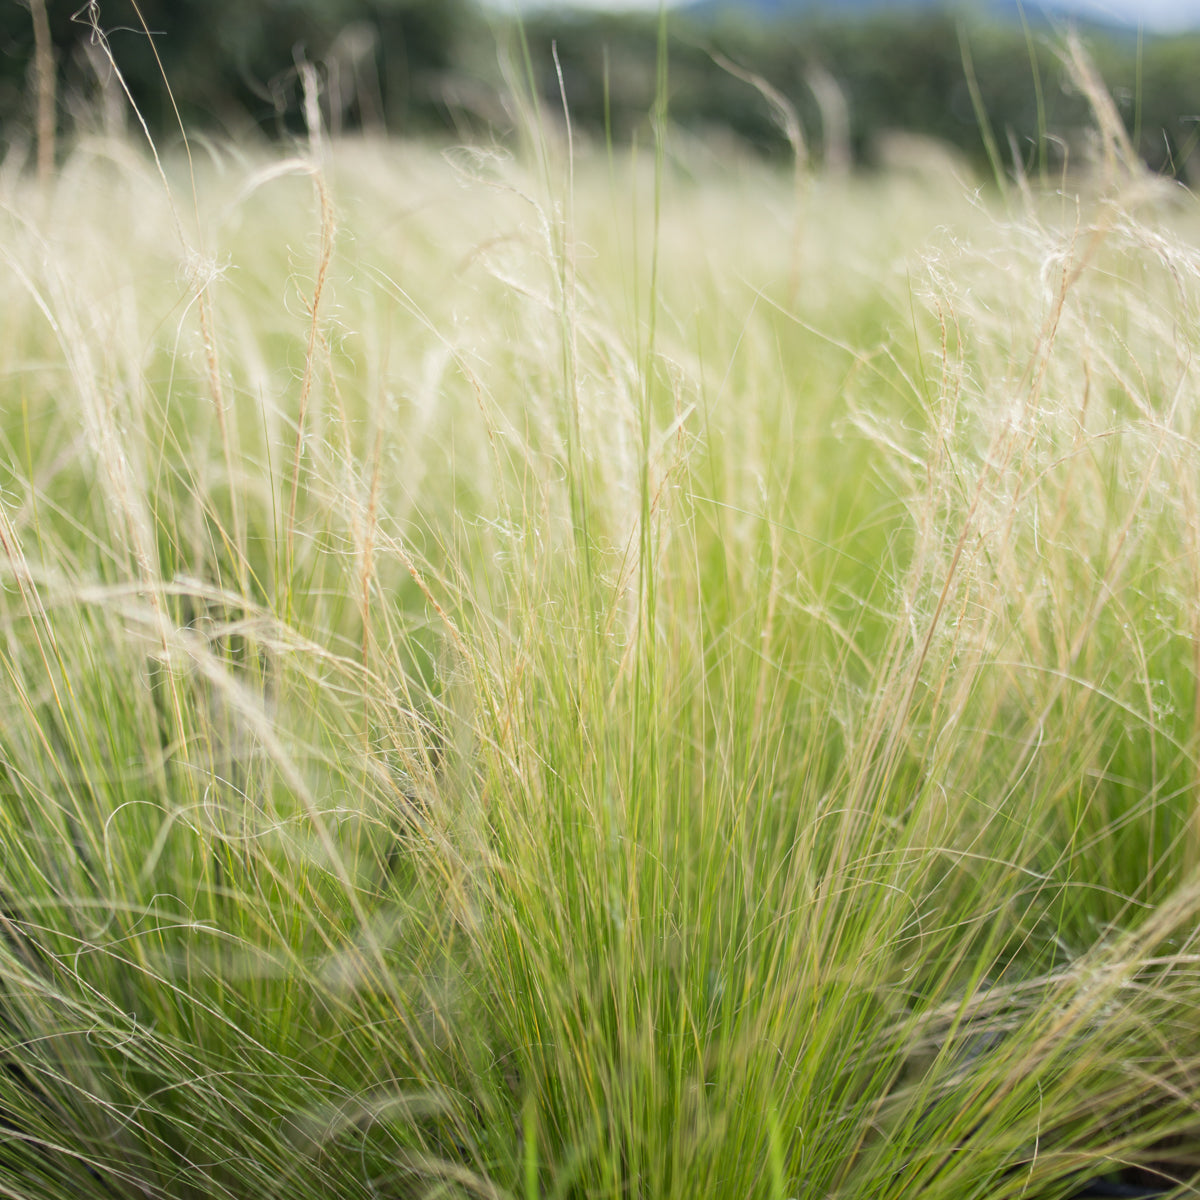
(475, 723)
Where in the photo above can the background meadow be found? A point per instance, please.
(551, 669)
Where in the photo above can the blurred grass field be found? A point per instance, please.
(557, 672)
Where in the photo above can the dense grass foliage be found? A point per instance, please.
(592, 679)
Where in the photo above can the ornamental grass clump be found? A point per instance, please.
(572, 677)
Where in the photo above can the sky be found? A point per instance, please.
(1158, 15)
(1162, 15)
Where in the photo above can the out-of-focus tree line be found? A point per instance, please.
(852, 84)
(433, 66)
(233, 65)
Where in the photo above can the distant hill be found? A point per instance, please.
(1036, 11)
(788, 9)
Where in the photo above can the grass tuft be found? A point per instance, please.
(490, 710)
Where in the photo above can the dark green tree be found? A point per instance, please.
(234, 64)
